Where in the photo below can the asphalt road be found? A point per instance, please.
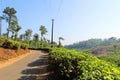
(31, 67)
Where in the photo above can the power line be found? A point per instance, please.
(59, 8)
(55, 12)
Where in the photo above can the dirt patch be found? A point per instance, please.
(9, 56)
(6, 54)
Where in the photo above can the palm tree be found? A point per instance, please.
(60, 44)
(13, 35)
(9, 14)
(36, 38)
(7, 33)
(15, 29)
(18, 28)
(28, 34)
(12, 28)
(43, 32)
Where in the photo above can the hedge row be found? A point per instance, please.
(74, 65)
(11, 44)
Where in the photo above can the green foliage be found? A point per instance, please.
(93, 43)
(115, 48)
(1, 41)
(60, 44)
(113, 58)
(37, 44)
(24, 46)
(15, 28)
(43, 30)
(28, 34)
(81, 66)
(10, 14)
(9, 11)
(11, 44)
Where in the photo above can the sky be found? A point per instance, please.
(74, 20)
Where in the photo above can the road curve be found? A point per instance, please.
(30, 67)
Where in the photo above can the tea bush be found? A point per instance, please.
(11, 44)
(1, 41)
(112, 57)
(80, 66)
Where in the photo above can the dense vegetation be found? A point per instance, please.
(92, 43)
(113, 58)
(113, 55)
(11, 44)
(80, 66)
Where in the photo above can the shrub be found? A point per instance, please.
(1, 41)
(112, 57)
(24, 45)
(11, 44)
(7, 44)
(16, 45)
(81, 66)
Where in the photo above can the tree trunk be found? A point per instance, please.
(9, 24)
(16, 35)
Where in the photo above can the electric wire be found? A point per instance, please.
(59, 9)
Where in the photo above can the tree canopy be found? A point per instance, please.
(92, 43)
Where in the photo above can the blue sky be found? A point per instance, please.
(75, 20)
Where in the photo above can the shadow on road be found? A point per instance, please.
(37, 70)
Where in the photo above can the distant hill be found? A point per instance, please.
(93, 43)
(107, 49)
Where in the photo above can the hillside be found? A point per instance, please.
(93, 43)
(107, 49)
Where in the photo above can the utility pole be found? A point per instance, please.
(52, 33)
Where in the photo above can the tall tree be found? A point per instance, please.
(12, 29)
(36, 39)
(43, 32)
(15, 29)
(14, 25)
(28, 34)
(9, 13)
(13, 34)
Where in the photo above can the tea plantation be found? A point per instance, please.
(72, 65)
